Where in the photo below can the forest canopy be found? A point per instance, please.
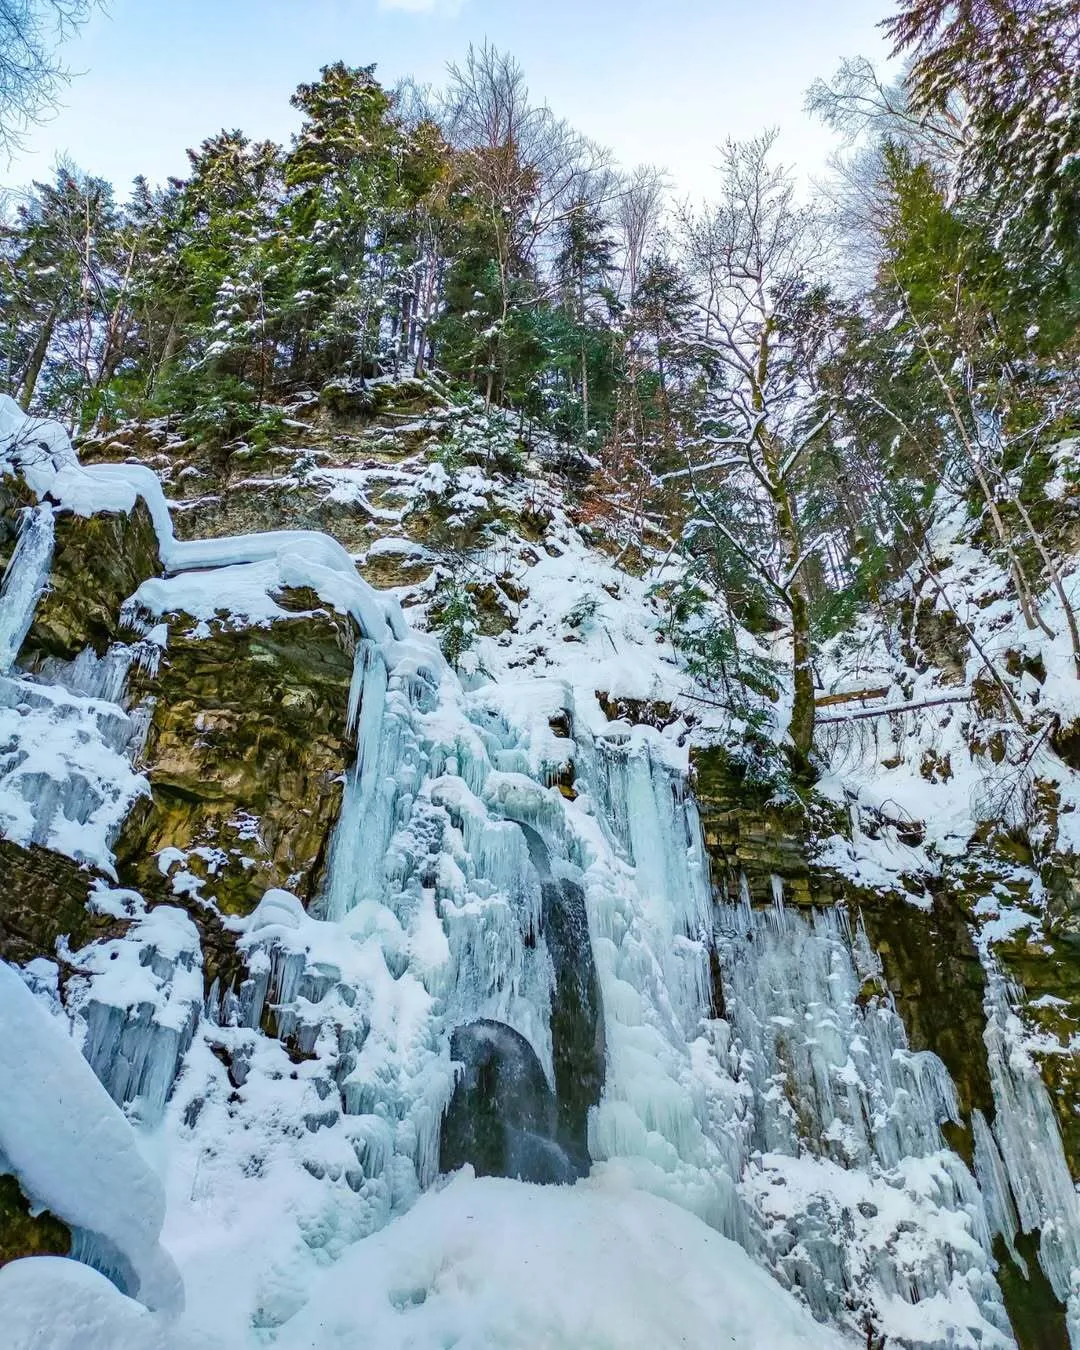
(776, 386)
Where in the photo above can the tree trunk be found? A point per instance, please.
(584, 359)
(584, 390)
(1055, 580)
(1024, 592)
(168, 351)
(37, 359)
(802, 667)
(802, 707)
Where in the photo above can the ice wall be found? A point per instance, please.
(140, 997)
(798, 1122)
(1019, 1158)
(868, 1212)
(24, 580)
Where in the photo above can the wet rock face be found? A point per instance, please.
(931, 964)
(577, 1028)
(25, 1234)
(933, 971)
(747, 836)
(97, 563)
(502, 1118)
(245, 754)
(1047, 967)
(15, 496)
(42, 898)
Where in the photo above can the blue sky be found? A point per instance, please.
(658, 81)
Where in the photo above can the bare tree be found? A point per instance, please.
(867, 113)
(31, 73)
(859, 105)
(638, 211)
(754, 254)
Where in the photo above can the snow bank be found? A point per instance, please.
(50, 1303)
(499, 1265)
(73, 1151)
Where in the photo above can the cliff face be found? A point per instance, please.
(266, 854)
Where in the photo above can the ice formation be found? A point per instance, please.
(74, 1153)
(140, 997)
(24, 580)
(299, 1109)
(1019, 1159)
(852, 1172)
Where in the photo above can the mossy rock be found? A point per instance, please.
(42, 898)
(1037, 1316)
(25, 1234)
(98, 562)
(14, 497)
(409, 396)
(1066, 743)
(430, 525)
(534, 523)
(134, 440)
(386, 570)
(943, 642)
(254, 508)
(245, 754)
(747, 834)
(640, 711)
(351, 400)
(492, 613)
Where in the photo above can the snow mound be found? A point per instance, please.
(498, 1265)
(51, 1303)
(74, 1152)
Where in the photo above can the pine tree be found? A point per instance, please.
(1016, 65)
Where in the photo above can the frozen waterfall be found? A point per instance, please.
(25, 579)
(864, 1204)
(1019, 1158)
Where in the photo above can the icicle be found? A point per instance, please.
(994, 1183)
(141, 998)
(837, 1091)
(777, 885)
(95, 677)
(362, 834)
(1026, 1132)
(25, 579)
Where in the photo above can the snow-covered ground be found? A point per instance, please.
(486, 1264)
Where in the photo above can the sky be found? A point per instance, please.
(656, 81)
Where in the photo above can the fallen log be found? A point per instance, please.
(891, 708)
(849, 696)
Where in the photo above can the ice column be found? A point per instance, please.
(380, 786)
(25, 579)
(671, 1112)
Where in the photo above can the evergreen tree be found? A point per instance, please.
(1016, 65)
